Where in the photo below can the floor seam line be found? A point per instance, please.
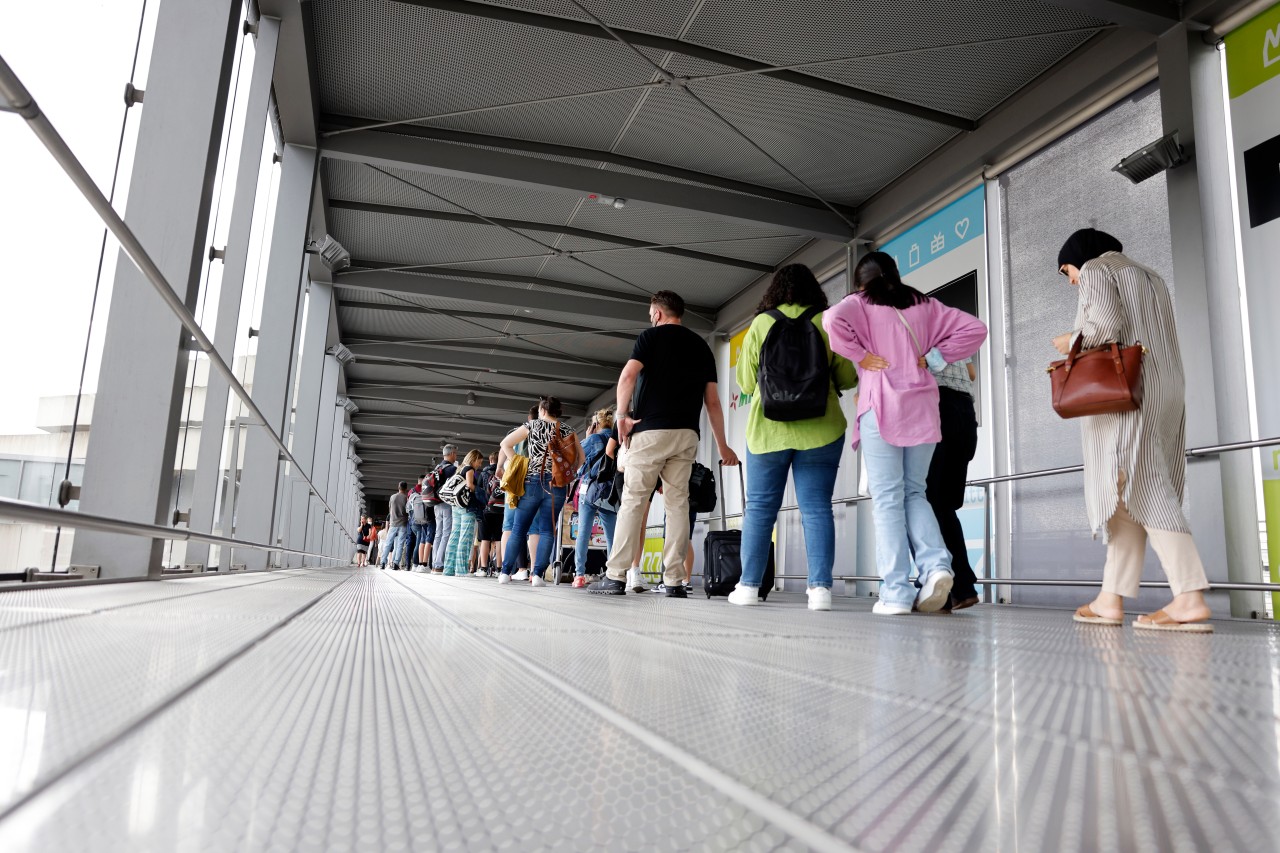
(799, 828)
(155, 712)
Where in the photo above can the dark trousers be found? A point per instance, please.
(947, 475)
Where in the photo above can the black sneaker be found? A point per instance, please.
(608, 586)
(676, 591)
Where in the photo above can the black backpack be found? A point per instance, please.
(795, 368)
(702, 489)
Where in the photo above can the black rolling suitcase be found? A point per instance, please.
(722, 564)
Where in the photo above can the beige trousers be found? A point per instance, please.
(659, 453)
(1128, 549)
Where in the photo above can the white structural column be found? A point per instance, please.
(129, 472)
(321, 457)
(212, 433)
(1223, 510)
(306, 414)
(273, 365)
(339, 450)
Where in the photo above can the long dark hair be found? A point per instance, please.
(794, 284)
(876, 275)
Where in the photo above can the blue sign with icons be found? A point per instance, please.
(948, 229)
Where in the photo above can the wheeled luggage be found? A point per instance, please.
(722, 563)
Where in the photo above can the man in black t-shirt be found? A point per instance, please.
(671, 375)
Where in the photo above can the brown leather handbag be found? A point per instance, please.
(1104, 380)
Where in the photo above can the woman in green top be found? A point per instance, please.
(810, 448)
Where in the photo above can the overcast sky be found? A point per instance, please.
(75, 58)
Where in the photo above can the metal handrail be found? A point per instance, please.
(1191, 453)
(21, 102)
(32, 513)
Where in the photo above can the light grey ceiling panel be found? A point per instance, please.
(804, 32)
(968, 81)
(411, 240)
(701, 283)
(360, 182)
(662, 17)
(843, 150)
(671, 128)
(666, 225)
(762, 250)
(399, 61)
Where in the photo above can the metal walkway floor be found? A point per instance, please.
(365, 710)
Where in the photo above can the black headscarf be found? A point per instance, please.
(1085, 245)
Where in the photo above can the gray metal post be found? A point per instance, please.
(306, 418)
(129, 471)
(321, 454)
(1223, 510)
(212, 432)
(1000, 499)
(272, 372)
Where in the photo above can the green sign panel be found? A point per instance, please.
(1253, 53)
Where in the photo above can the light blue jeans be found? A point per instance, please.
(397, 545)
(815, 473)
(539, 509)
(905, 523)
(587, 515)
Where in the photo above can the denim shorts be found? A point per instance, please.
(424, 533)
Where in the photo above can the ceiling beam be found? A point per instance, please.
(293, 79)
(696, 51)
(488, 315)
(485, 360)
(330, 122)
(565, 304)
(1149, 16)
(396, 151)
(428, 420)
(547, 228)
(483, 400)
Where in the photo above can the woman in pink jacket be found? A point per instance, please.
(888, 330)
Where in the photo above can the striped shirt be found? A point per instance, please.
(1121, 300)
(956, 377)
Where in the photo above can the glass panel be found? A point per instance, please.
(55, 247)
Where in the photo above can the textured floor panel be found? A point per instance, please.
(68, 686)
(415, 712)
(383, 733)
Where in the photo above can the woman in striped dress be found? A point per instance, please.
(1134, 462)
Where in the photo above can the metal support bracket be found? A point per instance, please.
(133, 95)
(67, 492)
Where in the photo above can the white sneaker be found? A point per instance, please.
(522, 575)
(504, 578)
(935, 593)
(819, 598)
(883, 609)
(537, 580)
(635, 580)
(745, 596)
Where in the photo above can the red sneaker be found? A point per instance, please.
(579, 582)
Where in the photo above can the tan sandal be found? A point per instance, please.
(1161, 621)
(1085, 614)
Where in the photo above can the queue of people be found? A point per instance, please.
(908, 357)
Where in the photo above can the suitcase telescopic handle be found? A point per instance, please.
(742, 481)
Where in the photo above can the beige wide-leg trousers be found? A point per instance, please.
(1127, 550)
(659, 453)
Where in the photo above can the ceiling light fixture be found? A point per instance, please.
(614, 201)
(471, 398)
(341, 353)
(332, 255)
(1150, 160)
